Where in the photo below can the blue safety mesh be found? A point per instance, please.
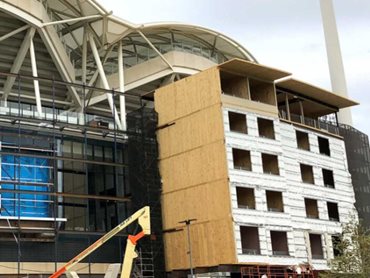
(23, 170)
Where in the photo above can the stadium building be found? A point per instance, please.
(242, 147)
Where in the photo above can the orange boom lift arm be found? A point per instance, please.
(143, 217)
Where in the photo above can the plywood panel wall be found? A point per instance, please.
(198, 166)
(188, 95)
(210, 245)
(193, 169)
(200, 128)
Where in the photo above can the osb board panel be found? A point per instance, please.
(204, 202)
(252, 106)
(192, 131)
(212, 244)
(237, 86)
(187, 96)
(204, 164)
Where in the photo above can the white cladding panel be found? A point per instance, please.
(293, 220)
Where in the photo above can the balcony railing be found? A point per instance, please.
(275, 209)
(22, 112)
(318, 124)
(280, 253)
(251, 251)
(317, 256)
(246, 206)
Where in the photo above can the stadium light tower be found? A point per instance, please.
(336, 68)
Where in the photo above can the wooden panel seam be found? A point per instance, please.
(189, 150)
(195, 185)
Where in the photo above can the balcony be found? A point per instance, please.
(317, 124)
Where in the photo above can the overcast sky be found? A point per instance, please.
(286, 34)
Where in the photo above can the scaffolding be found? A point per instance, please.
(64, 176)
(144, 173)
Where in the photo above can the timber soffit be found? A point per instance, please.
(242, 67)
(314, 92)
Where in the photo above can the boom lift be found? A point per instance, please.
(143, 217)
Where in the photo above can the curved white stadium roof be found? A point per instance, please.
(70, 35)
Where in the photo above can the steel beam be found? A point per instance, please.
(35, 81)
(155, 49)
(12, 33)
(104, 80)
(121, 76)
(18, 61)
(72, 20)
(84, 57)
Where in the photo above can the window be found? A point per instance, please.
(274, 201)
(242, 160)
(328, 178)
(307, 174)
(324, 146)
(316, 246)
(333, 211)
(302, 140)
(266, 128)
(262, 91)
(311, 208)
(245, 198)
(279, 243)
(270, 164)
(238, 122)
(250, 240)
(336, 242)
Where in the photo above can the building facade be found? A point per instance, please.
(248, 157)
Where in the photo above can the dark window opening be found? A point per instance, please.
(311, 208)
(238, 122)
(266, 128)
(333, 211)
(250, 240)
(245, 198)
(274, 201)
(279, 243)
(316, 246)
(262, 91)
(303, 142)
(328, 178)
(270, 164)
(336, 242)
(324, 147)
(242, 160)
(307, 174)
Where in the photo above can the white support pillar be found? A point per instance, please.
(35, 82)
(104, 80)
(336, 68)
(84, 56)
(122, 101)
